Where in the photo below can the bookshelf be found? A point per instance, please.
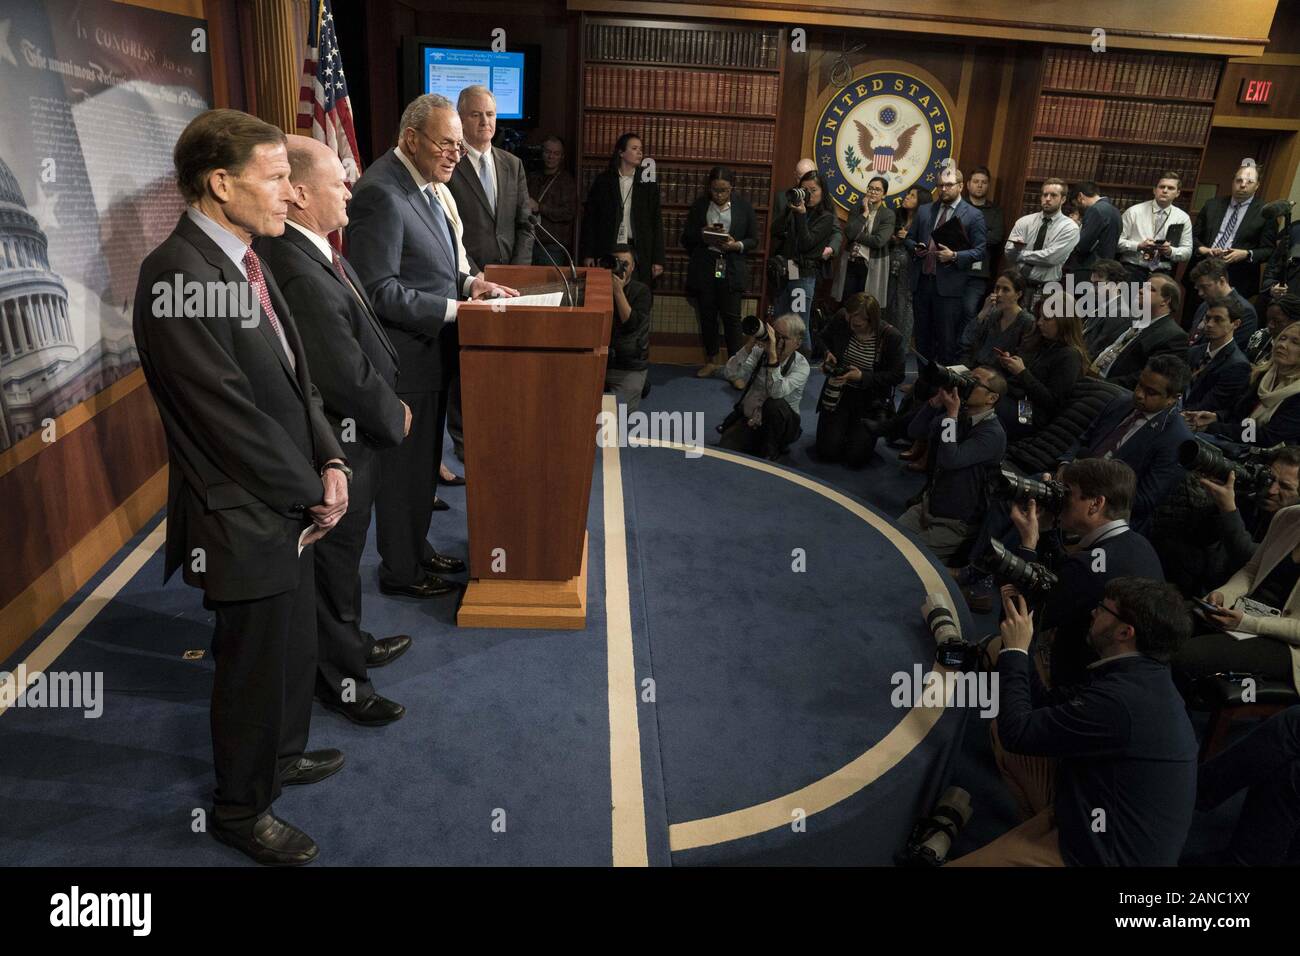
(1120, 119)
(700, 95)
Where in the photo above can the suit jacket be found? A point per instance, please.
(1152, 453)
(1276, 547)
(604, 212)
(1220, 385)
(500, 235)
(409, 267)
(1098, 238)
(744, 229)
(246, 433)
(1163, 335)
(353, 363)
(951, 278)
(1254, 233)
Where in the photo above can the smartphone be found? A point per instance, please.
(1207, 606)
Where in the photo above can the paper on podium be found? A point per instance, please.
(544, 298)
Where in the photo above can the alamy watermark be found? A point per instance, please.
(631, 428)
(1101, 300)
(57, 689)
(194, 299)
(921, 688)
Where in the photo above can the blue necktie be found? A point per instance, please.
(439, 216)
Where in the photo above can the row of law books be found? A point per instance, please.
(1069, 161)
(673, 137)
(675, 222)
(682, 185)
(1124, 164)
(1142, 74)
(732, 47)
(664, 90)
(1120, 198)
(1175, 123)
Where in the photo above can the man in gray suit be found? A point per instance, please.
(490, 188)
(404, 248)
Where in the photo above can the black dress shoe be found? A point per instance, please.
(443, 564)
(431, 586)
(312, 767)
(271, 842)
(387, 650)
(440, 505)
(374, 711)
(455, 481)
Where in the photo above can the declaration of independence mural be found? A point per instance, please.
(95, 94)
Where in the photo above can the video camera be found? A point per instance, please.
(1008, 485)
(1254, 476)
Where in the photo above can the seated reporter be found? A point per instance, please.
(1269, 411)
(766, 419)
(629, 340)
(1003, 323)
(1101, 498)
(1210, 278)
(1121, 744)
(1220, 371)
(1267, 761)
(853, 406)
(966, 440)
(1041, 378)
(1278, 314)
(1270, 582)
(1122, 361)
(1109, 314)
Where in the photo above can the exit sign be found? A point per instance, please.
(1255, 92)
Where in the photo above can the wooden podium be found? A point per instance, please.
(531, 379)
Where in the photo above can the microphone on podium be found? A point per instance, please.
(534, 224)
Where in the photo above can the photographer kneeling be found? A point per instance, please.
(1120, 750)
(864, 361)
(629, 336)
(766, 419)
(953, 502)
(1100, 499)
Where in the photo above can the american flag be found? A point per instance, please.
(324, 110)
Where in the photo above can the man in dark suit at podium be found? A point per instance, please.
(1231, 228)
(256, 477)
(405, 251)
(355, 367)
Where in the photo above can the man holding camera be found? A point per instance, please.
(1100, 498)
(966, 446)
(629, 340)
(1109, 775)
(766, 419)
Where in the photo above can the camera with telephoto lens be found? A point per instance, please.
(933, 835)
(614, 264)
(1008, 485)
(1254, 476)
(752, 325)
(796, 196)
(1028, 577)
(938, 377)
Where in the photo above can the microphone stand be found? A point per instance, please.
(534, 224)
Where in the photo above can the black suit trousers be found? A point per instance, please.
(714, 301)
(408, 477)
(342, 645)
(265, 652)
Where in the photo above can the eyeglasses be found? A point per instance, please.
(444, 146)
(1101, 606)
(719, 189)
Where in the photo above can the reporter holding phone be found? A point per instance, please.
(1041, 378)
(718, 273)
(1271, 579)
(1003, 323)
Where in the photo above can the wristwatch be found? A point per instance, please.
(347, 472)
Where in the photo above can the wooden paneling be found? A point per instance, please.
(1286, 91)
(1225, 27)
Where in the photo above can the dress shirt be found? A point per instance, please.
(771, 382)
(1224, 239)
(1043, 265)
(1138, 225)
(720, 214)
(1114, 657)
(235, 250)
(625, 196)
(1089, 539)
(476, 158)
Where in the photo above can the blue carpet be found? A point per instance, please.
(764, 680)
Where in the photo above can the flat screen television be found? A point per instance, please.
(433, 65)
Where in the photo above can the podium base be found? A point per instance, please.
(551, 605)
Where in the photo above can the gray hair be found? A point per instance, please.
(475, 90)
(794, 326)
(420, 109)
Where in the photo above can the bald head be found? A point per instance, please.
(320, 186)
(1245, 183)
(802, 168)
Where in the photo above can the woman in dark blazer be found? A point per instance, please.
(1043, 378)
(866, 243)
(854, 406)
(718, 272)
(622, 188)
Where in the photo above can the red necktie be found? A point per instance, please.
(1111, 444)
(254, 267)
